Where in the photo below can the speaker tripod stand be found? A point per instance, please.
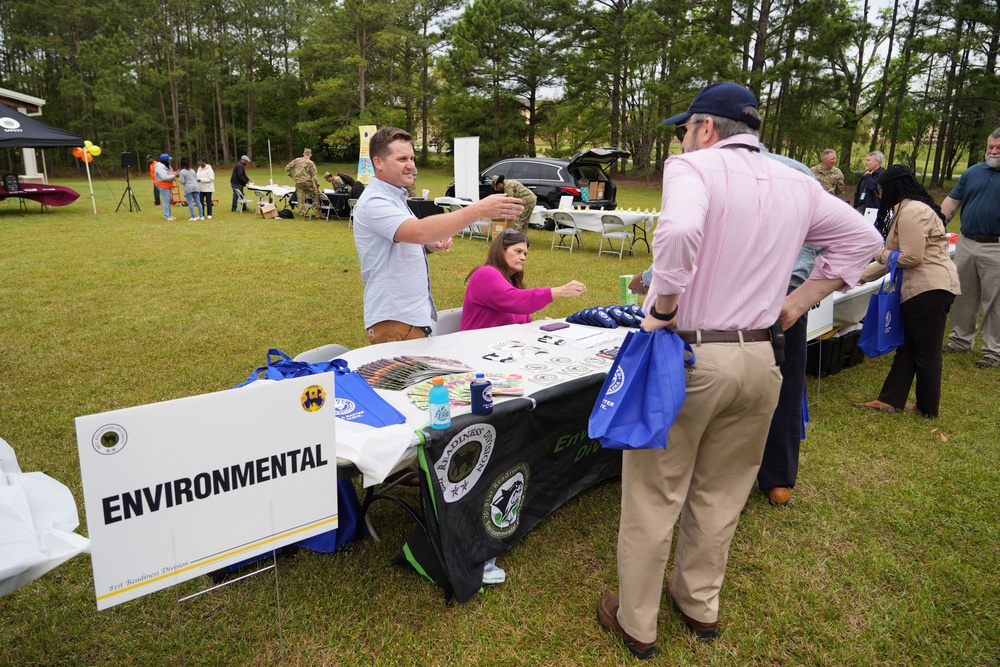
(132, 201)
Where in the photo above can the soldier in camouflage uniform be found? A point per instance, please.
(516, 189)
(829, 176)
(303, 172)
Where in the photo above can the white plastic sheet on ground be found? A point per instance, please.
(37, 519)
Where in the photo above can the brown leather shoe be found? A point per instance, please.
(607, 616)
(876, 405)
(779, 495)
(708, 632)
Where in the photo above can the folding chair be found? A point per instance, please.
(351, 203)
(614, 228)
(565, 226)
(244, 202)
(322, 353)
(449, 321)
(325, 206)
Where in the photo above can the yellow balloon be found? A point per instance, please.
(87, 144)
(95, 150)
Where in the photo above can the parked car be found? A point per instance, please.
(551, 179)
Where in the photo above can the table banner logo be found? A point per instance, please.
(504, 502)
(10, 124)
(464, 460)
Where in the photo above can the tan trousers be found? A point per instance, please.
(704, 476)
(978, 267)
(388, 331)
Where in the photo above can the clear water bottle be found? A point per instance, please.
(440, 404)
(482, 395)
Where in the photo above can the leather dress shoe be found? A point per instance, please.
(779, 495)
(876, 405)
(607, 616)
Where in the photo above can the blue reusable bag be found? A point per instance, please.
(882, 331)
(643, 392)
(354, 398)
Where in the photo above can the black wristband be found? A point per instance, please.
(660, 316)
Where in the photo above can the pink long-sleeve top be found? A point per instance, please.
(716, 195)
(491, 301)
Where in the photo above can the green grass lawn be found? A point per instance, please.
(887, 555)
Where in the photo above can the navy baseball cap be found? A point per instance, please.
(725, 99)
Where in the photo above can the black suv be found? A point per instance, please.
(550, 179)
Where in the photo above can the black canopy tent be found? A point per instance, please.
(20, 131)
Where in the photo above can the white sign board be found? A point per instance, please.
(467, 168)
(175, 490)
(819, 318)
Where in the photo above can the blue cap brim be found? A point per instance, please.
(678, 119)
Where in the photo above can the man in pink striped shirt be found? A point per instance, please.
(731, 226)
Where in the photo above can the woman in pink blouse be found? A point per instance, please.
(496, 295)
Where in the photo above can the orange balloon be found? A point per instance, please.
(87, 157)
(78, 152)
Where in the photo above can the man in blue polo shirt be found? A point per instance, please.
(977, 256)
(393, 243)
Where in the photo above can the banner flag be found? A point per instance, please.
(365, 168)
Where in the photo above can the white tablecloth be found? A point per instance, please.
(589, 220)
(279, 191)
(376, 452)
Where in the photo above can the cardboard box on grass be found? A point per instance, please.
(269, 211)
(500, 226)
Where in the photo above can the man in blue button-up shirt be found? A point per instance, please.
(393, 243)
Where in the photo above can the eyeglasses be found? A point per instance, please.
(682, 129)
(511, 230)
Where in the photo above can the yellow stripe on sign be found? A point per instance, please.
(217, 558)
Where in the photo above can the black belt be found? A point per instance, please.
(982, 239)
(708, 336)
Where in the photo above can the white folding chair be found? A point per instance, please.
(351, 203)
(323, 353)
(565, 226)
(614, 229)
(244, 202)
(325, 206)
(449, 321)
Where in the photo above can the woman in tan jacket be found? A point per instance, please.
(912, 223)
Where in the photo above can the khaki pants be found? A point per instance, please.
(388, 331)
(978, 267)
(704, 476)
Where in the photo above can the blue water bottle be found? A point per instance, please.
(440, 404)
(482, 395)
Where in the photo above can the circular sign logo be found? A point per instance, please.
(109, 439)
(9, 123)
(313, 398)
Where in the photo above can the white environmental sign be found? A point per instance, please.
(467, 168)
(178, 489)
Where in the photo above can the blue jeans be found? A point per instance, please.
(237, 194)
(166, 195)
(194, 198)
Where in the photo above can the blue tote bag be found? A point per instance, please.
(882, 330)
(643, 392)
(355, 400)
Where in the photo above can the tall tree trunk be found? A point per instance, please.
(885, 84)
(904, 81)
